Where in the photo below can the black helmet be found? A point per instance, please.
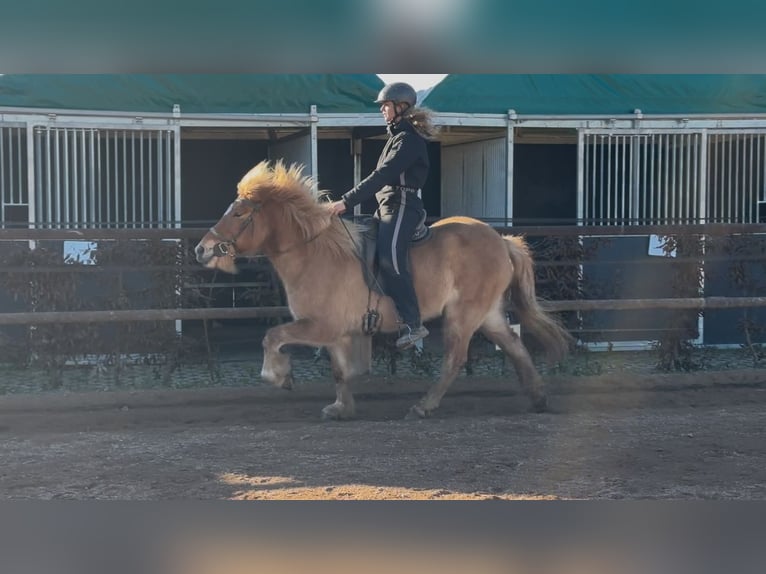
(399, 93)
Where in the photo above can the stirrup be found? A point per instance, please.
(411, 337)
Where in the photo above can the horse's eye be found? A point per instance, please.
(238, 215)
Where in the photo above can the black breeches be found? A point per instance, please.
(398, 219)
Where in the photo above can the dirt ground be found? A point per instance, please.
(615, 436)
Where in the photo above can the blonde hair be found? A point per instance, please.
(422, 120)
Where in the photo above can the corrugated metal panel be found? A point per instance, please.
(473, 179)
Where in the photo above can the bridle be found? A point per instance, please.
(225, 247)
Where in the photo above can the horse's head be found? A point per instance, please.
(232, 235)
(275, 211)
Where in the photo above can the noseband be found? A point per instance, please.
(225, 247)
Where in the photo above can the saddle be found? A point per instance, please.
(368, 247)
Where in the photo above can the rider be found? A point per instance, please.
(396, 184)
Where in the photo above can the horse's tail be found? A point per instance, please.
(522, 297)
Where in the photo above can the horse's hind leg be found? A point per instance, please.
(350, 356)
(497, 330)
(457, 337)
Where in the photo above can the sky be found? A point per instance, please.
(417, 81)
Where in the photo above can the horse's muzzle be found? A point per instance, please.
(203, 255)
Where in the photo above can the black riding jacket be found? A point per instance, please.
(403, 163)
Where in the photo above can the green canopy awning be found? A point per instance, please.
(594, 94)
(195, 93)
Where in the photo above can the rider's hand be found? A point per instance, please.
(337, 207)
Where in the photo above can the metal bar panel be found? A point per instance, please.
(177, 168)
(509, 151)
(688, 193)
(6, 183)
(20, 166)
(601, 180)
(635, 179)
(652, 172)
(674, 212)
(715, 212)
(6, 192)
(114, 215)
(150, 181)
(143, 189)
(582, 172)
(610, 147)
(92, 185)
(703, 178)
(694, 180)
(728, 192)
(735, 160)
(760, 171)
(51, 203)
(11, 178)
(83, 218)
(124, 191)
(593, 211)
(747, 179)
(39, 192)
(65, 163)
(133, 200)
(164, 192)
(160, 211)
(75, 178)
(620, 141)
(31, 200)
(166, 195)
(685, 185)
(99, 182)
(643, 188)
(167, 172)
(660, 188)
(57, 172)
(10, 162)
(666, 186)
(108, 179)
(313, 149)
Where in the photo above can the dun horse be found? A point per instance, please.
(465, 272)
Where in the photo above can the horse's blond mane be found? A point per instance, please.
(290, 190)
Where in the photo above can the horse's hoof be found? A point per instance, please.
(328, 415)
(334, 412)
(287, 384)
(539, 404)
(416, 412)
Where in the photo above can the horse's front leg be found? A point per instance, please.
(351, 356)
(277, 367)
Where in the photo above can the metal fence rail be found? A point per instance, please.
(51, 317)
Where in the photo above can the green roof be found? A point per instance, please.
(593, 94)
(195, 93)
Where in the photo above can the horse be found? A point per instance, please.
(465, 272)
